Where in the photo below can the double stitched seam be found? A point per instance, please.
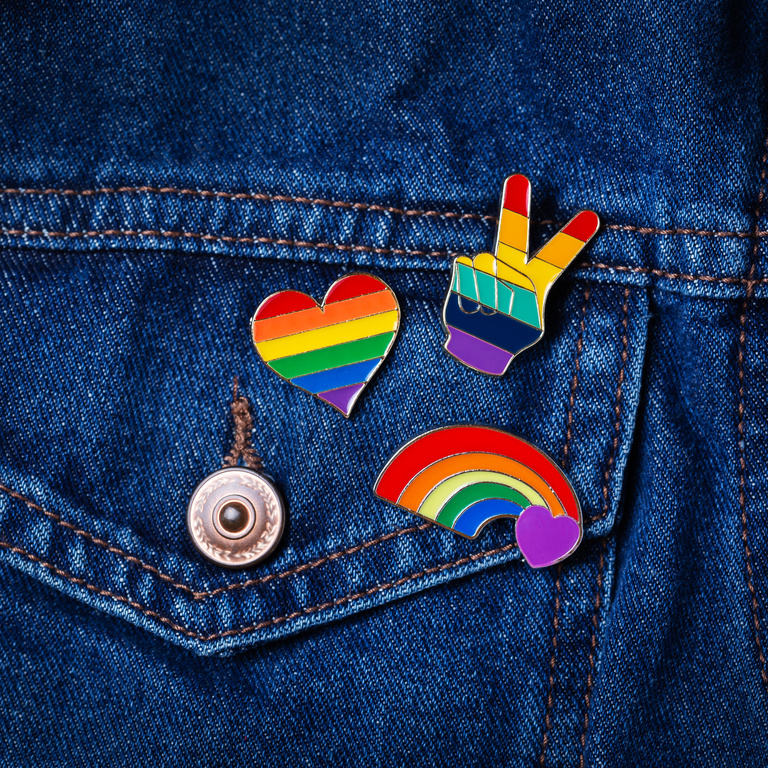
(741, 428)
(558, 579)
(617, 407)
(552, 668)
(201, 595)
(260, 197)
(379, 588)
(607, 477)
(246, 240)
(575, 379)
(597, 603)
(263, 197)
(662, 273)
(309, 244)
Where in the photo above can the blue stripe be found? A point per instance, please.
(472, 519)
(334, 378)
(501, 330)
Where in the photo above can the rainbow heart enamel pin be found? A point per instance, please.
(463, 477)
(330, 350)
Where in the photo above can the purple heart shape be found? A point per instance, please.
(543, 539)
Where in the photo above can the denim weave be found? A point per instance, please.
(166, 166)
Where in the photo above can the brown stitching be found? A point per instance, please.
(741, 428)
(183, 235)
(220, 590)
(575, 379)
(552, 669)
(592, 652)
(672, 275)
(681, 231)
(636, 230)
(558, 582)
(662, 273)
(268, 622)
(618, 403)
(252, 196)
(413, 212)
(606, 491)
(242, 431)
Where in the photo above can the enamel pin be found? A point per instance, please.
(494, 308)
(463, 477)
(331, 350)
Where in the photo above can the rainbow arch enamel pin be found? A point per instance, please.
(463, 477)
(330, 350)
(494, 308)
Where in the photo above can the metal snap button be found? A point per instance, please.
(235, 517)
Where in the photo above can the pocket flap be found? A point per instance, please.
(119, 369)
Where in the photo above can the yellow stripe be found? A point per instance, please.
(511, 256)
(328, 337)
(542, 273)
(439, 495)
(489, 264)
(513, 230)
(561, 250)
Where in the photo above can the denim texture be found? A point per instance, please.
(167, 166)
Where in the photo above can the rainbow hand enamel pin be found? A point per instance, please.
(463, 477)
(494, 308)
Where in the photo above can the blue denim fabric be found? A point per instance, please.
(167, 166)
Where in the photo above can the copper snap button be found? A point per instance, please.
(235, 517)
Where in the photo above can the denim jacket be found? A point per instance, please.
(166, 166)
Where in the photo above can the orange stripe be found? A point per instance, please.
(315, 317)
(417, 490)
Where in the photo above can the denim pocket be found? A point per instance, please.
(119, 369)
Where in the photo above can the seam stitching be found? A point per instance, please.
(558, 581)
(575, 379)
(201, 595)
(260, 197)
(374, 207)
(741, 427)
(248, 240)
(617, 408)
(601, 563)
(592, 652)
(552, 669)
(268, 622)
(726, 279)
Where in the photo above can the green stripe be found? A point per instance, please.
(468, 496)
(464, 281)
(524, 306)
(332, 357)
(497, 294)
(494, 292)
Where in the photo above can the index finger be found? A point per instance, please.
(514, 219)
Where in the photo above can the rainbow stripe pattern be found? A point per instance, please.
(494, 308)
(462, 477)
(331, 351)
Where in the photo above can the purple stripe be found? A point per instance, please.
(476, 353)
(343, 398)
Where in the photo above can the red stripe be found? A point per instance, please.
(517, 194)
(582, 226)
(449, 441)
(284, 303)
(352, 286)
